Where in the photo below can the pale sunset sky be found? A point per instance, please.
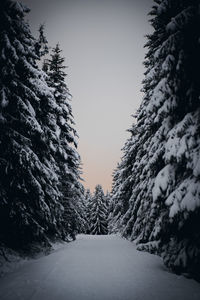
(102, 41)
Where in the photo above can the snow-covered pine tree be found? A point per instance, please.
(67, 156)
(88, 206)
(108, 202)
(42, 48)
(177, 183)
(98, 217)
(116, 205)
(81, 213)
(164, 207)
(122, 186)
(29, 206)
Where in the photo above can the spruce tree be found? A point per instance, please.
(67, 156)
(164, 208)
(42, 48)
(82, 213)
(122, 186)
(88, 206)
(108, 203)
(29, 206)
(177, 183)
(98, 217)
(114, 217)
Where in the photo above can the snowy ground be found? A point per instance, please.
(97, 268)
(15, 261)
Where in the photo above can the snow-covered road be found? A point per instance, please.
(97, 267)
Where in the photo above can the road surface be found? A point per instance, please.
(97, 268)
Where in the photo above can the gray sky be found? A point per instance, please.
(102, 41)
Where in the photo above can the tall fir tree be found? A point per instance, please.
(82, 213)
(67, 156)
(108, 203)
(177, 183)
(122, 186)
(29, 189)
(88, 206)
(42, 48)
(98, 213)
(164, 206)
(41, 45)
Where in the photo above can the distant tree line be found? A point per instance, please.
(95, 209)
(156, 186)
